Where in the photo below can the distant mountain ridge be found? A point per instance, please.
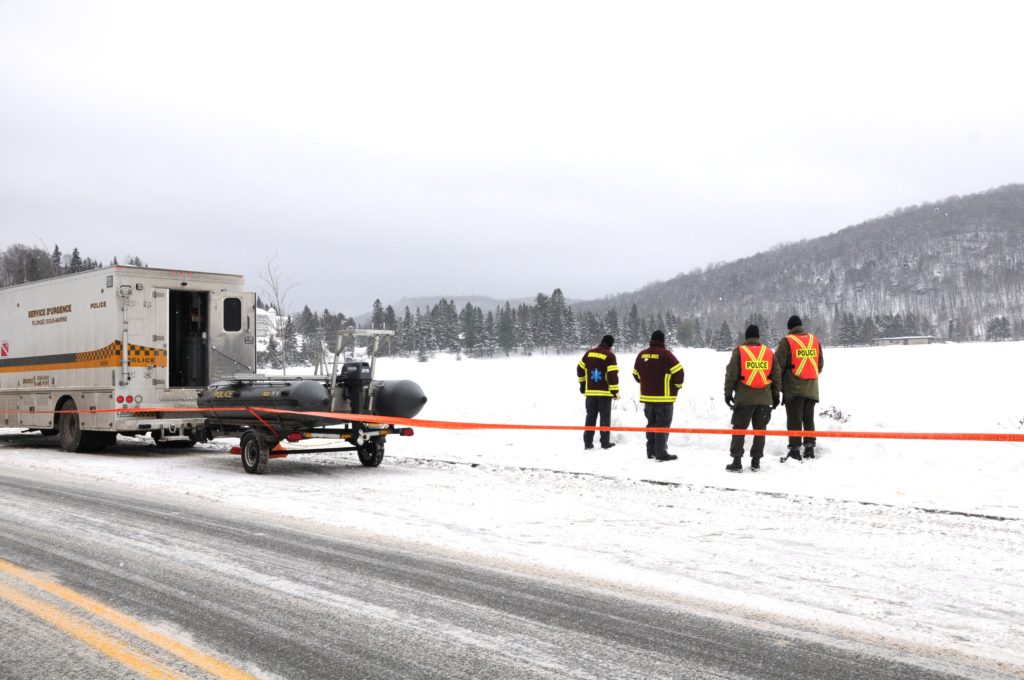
(958, 262)
(460, 301)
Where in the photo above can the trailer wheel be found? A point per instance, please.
(69, 428)
(255, 453)
(372, 453)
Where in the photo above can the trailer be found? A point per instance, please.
(87, 356)
(268, 412)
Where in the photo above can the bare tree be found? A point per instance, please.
(275, 290)
(20, 263)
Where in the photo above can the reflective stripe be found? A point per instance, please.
(657, 400)
(676, 368)
(808, 370)
(612, 368)
(758, 377)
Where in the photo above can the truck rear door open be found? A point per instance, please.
(232, 340)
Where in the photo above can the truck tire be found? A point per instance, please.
(255, 453)
(69, 428)
(372, 453)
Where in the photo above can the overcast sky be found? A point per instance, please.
(390, 149)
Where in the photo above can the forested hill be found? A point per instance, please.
(956, 266)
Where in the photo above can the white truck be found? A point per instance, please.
(86, 356)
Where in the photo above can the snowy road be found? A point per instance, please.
(279, 601)
(427, 568)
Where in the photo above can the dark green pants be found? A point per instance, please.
(741, 419)
(800, 416)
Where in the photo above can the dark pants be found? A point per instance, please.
(800, 416)
(658, 415)
(598, 406)
(741, 419)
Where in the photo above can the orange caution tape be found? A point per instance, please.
(450, 425)
(455, 425)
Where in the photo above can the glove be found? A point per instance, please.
(729, 401)
(615, 395)
(583, 388)
(775, 401)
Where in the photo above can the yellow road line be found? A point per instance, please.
(208, 663)
(99, 640)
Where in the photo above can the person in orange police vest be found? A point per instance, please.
(801, 359)
(752, 382)
(660, 376)
(598, 374)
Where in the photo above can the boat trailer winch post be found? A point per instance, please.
(339, 348)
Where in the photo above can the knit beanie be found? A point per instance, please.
(793, 322)
(657, 336)
(752, 332)
(608, 341)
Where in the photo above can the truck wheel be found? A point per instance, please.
(372, 453)
(69, 428)
(255, 453)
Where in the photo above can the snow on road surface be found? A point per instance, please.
(912, 542)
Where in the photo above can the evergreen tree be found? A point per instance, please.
(76, 264)
(272, 356)
(407, 334)
(611, 324)
(420, 340)
(554, 321)
(634, 333)
(998, 329)
(58, 264)
(288, 344)
(507, 329)
(377, 317)
(525, 329)
(724, 339)
(490, 335)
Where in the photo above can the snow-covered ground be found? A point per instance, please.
(851, 539)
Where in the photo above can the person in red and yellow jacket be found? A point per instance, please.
(801, 359)
(598, 374)
(752, 381)
(660, 376)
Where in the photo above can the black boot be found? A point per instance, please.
(794, 453)
(735, 465)
(808, 452)
(755, 463)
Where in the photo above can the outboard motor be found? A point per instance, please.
(355, 382)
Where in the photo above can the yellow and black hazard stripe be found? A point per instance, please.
(105, 357)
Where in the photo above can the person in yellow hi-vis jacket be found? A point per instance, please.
(660, 376)
(801, 359)
(598, 374)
